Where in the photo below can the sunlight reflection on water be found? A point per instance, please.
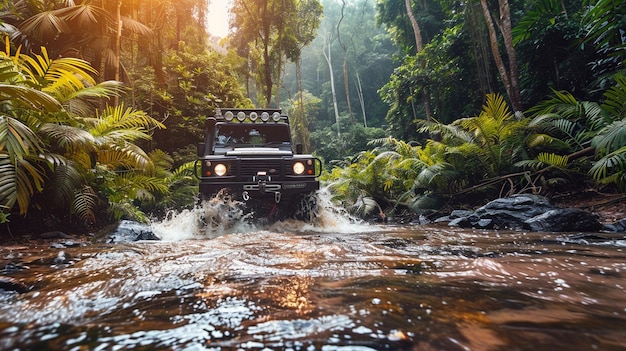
(351, 286)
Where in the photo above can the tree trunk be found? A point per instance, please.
(361, 99)
(511, 84)
(329, 61)
(419, 46)
(505, 21)
(267, 71)
(346, 79)
(118, 47)
(303, 126)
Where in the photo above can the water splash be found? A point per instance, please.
(223, 215)
(329, 218)
(212, 218)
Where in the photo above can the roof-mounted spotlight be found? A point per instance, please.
(241, 116)
(253, 116)
(265, 116)
(275, 116)
(229, 116)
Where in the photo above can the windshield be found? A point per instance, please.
(252, 135)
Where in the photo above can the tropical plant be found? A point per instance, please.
(547, 39)
(55, 145)
(569, 140)
(267, 39)
(610, 141)
(86, 29)
(180, 186)
(22, 169)
(604, 23)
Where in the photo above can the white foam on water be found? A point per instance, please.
(222, 215)
(212, 218)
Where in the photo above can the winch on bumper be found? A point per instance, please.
(261, 188)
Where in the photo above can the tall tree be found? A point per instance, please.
(509, 76)
(417, 32)
(266, 31)
(328, 55)
(419, 45)
(306, 29)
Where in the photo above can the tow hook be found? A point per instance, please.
(277, 196)
(261, 179)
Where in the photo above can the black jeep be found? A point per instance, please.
(248, 154)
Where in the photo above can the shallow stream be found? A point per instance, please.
(337, 285)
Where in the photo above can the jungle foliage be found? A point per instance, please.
(409, 103)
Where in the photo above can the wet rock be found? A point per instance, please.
(11, 284)
(130, 231)
(455, 214)
(617, 227)
(564, 220)
(147, 235)
(525, 212)
(55, 235)
(65, 244)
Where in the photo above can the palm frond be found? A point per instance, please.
(28, 97)
(136, 186)
(615, 98)
(496, 108)
(19, 181)
(86, 16)
(184, 170)
(611, 137)
(85, 101)
(123, 123)
(17, 139)
(612, 163)
(60, 77)
(559, 161)
(84, 205)
(62, 186)
(44, 23)
(136, 26)
(533, 164)
(365, 205)
(69, 137)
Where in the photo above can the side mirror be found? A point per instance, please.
(200, 149)
(299, 149)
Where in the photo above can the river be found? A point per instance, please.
(336, 285)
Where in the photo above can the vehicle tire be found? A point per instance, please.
(306, 208)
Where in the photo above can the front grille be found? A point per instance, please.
(250, 167)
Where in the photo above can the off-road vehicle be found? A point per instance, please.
(249, 154)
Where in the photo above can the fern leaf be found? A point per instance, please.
(559, 161)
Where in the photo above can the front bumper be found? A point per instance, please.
(267, 190)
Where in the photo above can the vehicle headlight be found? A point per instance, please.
(220, 169)
(298, 168)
